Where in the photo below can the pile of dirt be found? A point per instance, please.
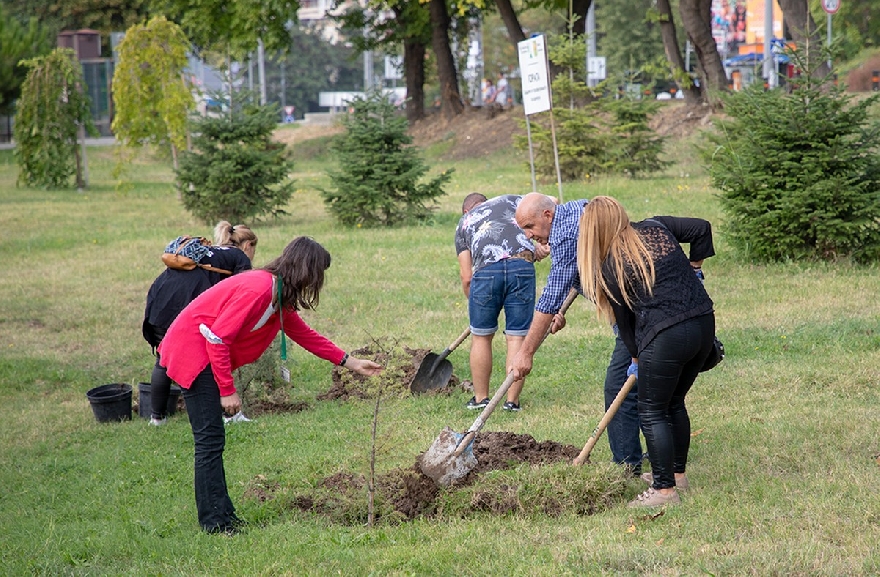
(676, 119)
(406, 494)
(401, 365)
(479, 132)
(475, 133)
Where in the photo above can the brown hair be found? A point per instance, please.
(301, 267)
(227, 235)
(606, 234)
(472, 200)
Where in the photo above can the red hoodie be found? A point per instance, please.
(231, 312)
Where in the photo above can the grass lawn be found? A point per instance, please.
(785, 457)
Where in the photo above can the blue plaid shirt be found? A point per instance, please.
(563, 253)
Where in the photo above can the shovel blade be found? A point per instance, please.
(441, 464)
(431, 374)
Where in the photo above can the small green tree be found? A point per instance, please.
(593, 136)
(52, 108)
(799, 172)
(378, 180)
(236, 171)
(151, 95)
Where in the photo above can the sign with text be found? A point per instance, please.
(534, 72)
(596, 68)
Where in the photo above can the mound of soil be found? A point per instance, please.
(410, 494)
(401, 365)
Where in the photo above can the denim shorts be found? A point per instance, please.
(508, 284)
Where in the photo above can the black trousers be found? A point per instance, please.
(668, 367)
(206, 418)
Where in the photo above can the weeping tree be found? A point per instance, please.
(153, 99)
(52, 110)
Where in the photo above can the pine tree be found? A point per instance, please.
(377, 183)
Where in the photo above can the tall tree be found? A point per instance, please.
(152, 98)
(805, 33)
(415, 28)
(693, 94)
(236, 26)
(450, 98)
(696, 17)
(410, 28)
(105, 16)
(18, 42)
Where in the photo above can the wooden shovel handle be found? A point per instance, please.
(502, 390)
(455, 343)
(481, 420)
(572, 294)
(606, 418)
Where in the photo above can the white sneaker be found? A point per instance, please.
(158, 422)
(236, 418)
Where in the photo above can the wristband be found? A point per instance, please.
(344, 359)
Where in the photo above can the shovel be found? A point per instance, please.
(451, 456)
(584, 455)
(435, 371)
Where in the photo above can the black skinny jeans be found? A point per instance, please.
(160, 390)
(668, 367)
(206, 418)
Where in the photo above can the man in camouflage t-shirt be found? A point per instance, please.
(496, 262)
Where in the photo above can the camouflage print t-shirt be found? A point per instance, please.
(490, 232)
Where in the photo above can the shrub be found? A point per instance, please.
(236, 172)
(593, 136)
(798, 172)
(53, 107)
(377, 183)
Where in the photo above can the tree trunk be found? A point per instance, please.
(414, 71)
(580, 8)
(450, 99)
(511, 22)
(413, 63)
(696, 16)
(693, 94)
(805, 34)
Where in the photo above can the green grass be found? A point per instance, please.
(784, 460)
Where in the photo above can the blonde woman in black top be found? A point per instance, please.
(640, 279)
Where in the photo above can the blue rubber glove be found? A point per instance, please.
(700, 275)
(633, 370)
(615, 330)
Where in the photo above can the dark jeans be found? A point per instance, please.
(160, 390)
(206, 418)
(623, 429)
(667, 368)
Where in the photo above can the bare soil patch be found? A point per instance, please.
(401, 365)
(479, 132)
(405, 494)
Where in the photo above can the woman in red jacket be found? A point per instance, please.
(230, 325)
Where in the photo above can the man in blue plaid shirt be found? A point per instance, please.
(545, 222)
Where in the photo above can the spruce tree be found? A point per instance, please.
(798, 171)
(377, 183)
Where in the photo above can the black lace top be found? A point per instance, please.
(678, 294)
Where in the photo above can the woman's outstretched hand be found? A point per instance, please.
(363, 366)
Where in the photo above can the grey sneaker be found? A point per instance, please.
(473, 404)
(511, 406)
(680, 484)
(158, 422)
(653, 498)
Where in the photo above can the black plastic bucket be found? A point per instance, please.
(145, 407)
(111, 402)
